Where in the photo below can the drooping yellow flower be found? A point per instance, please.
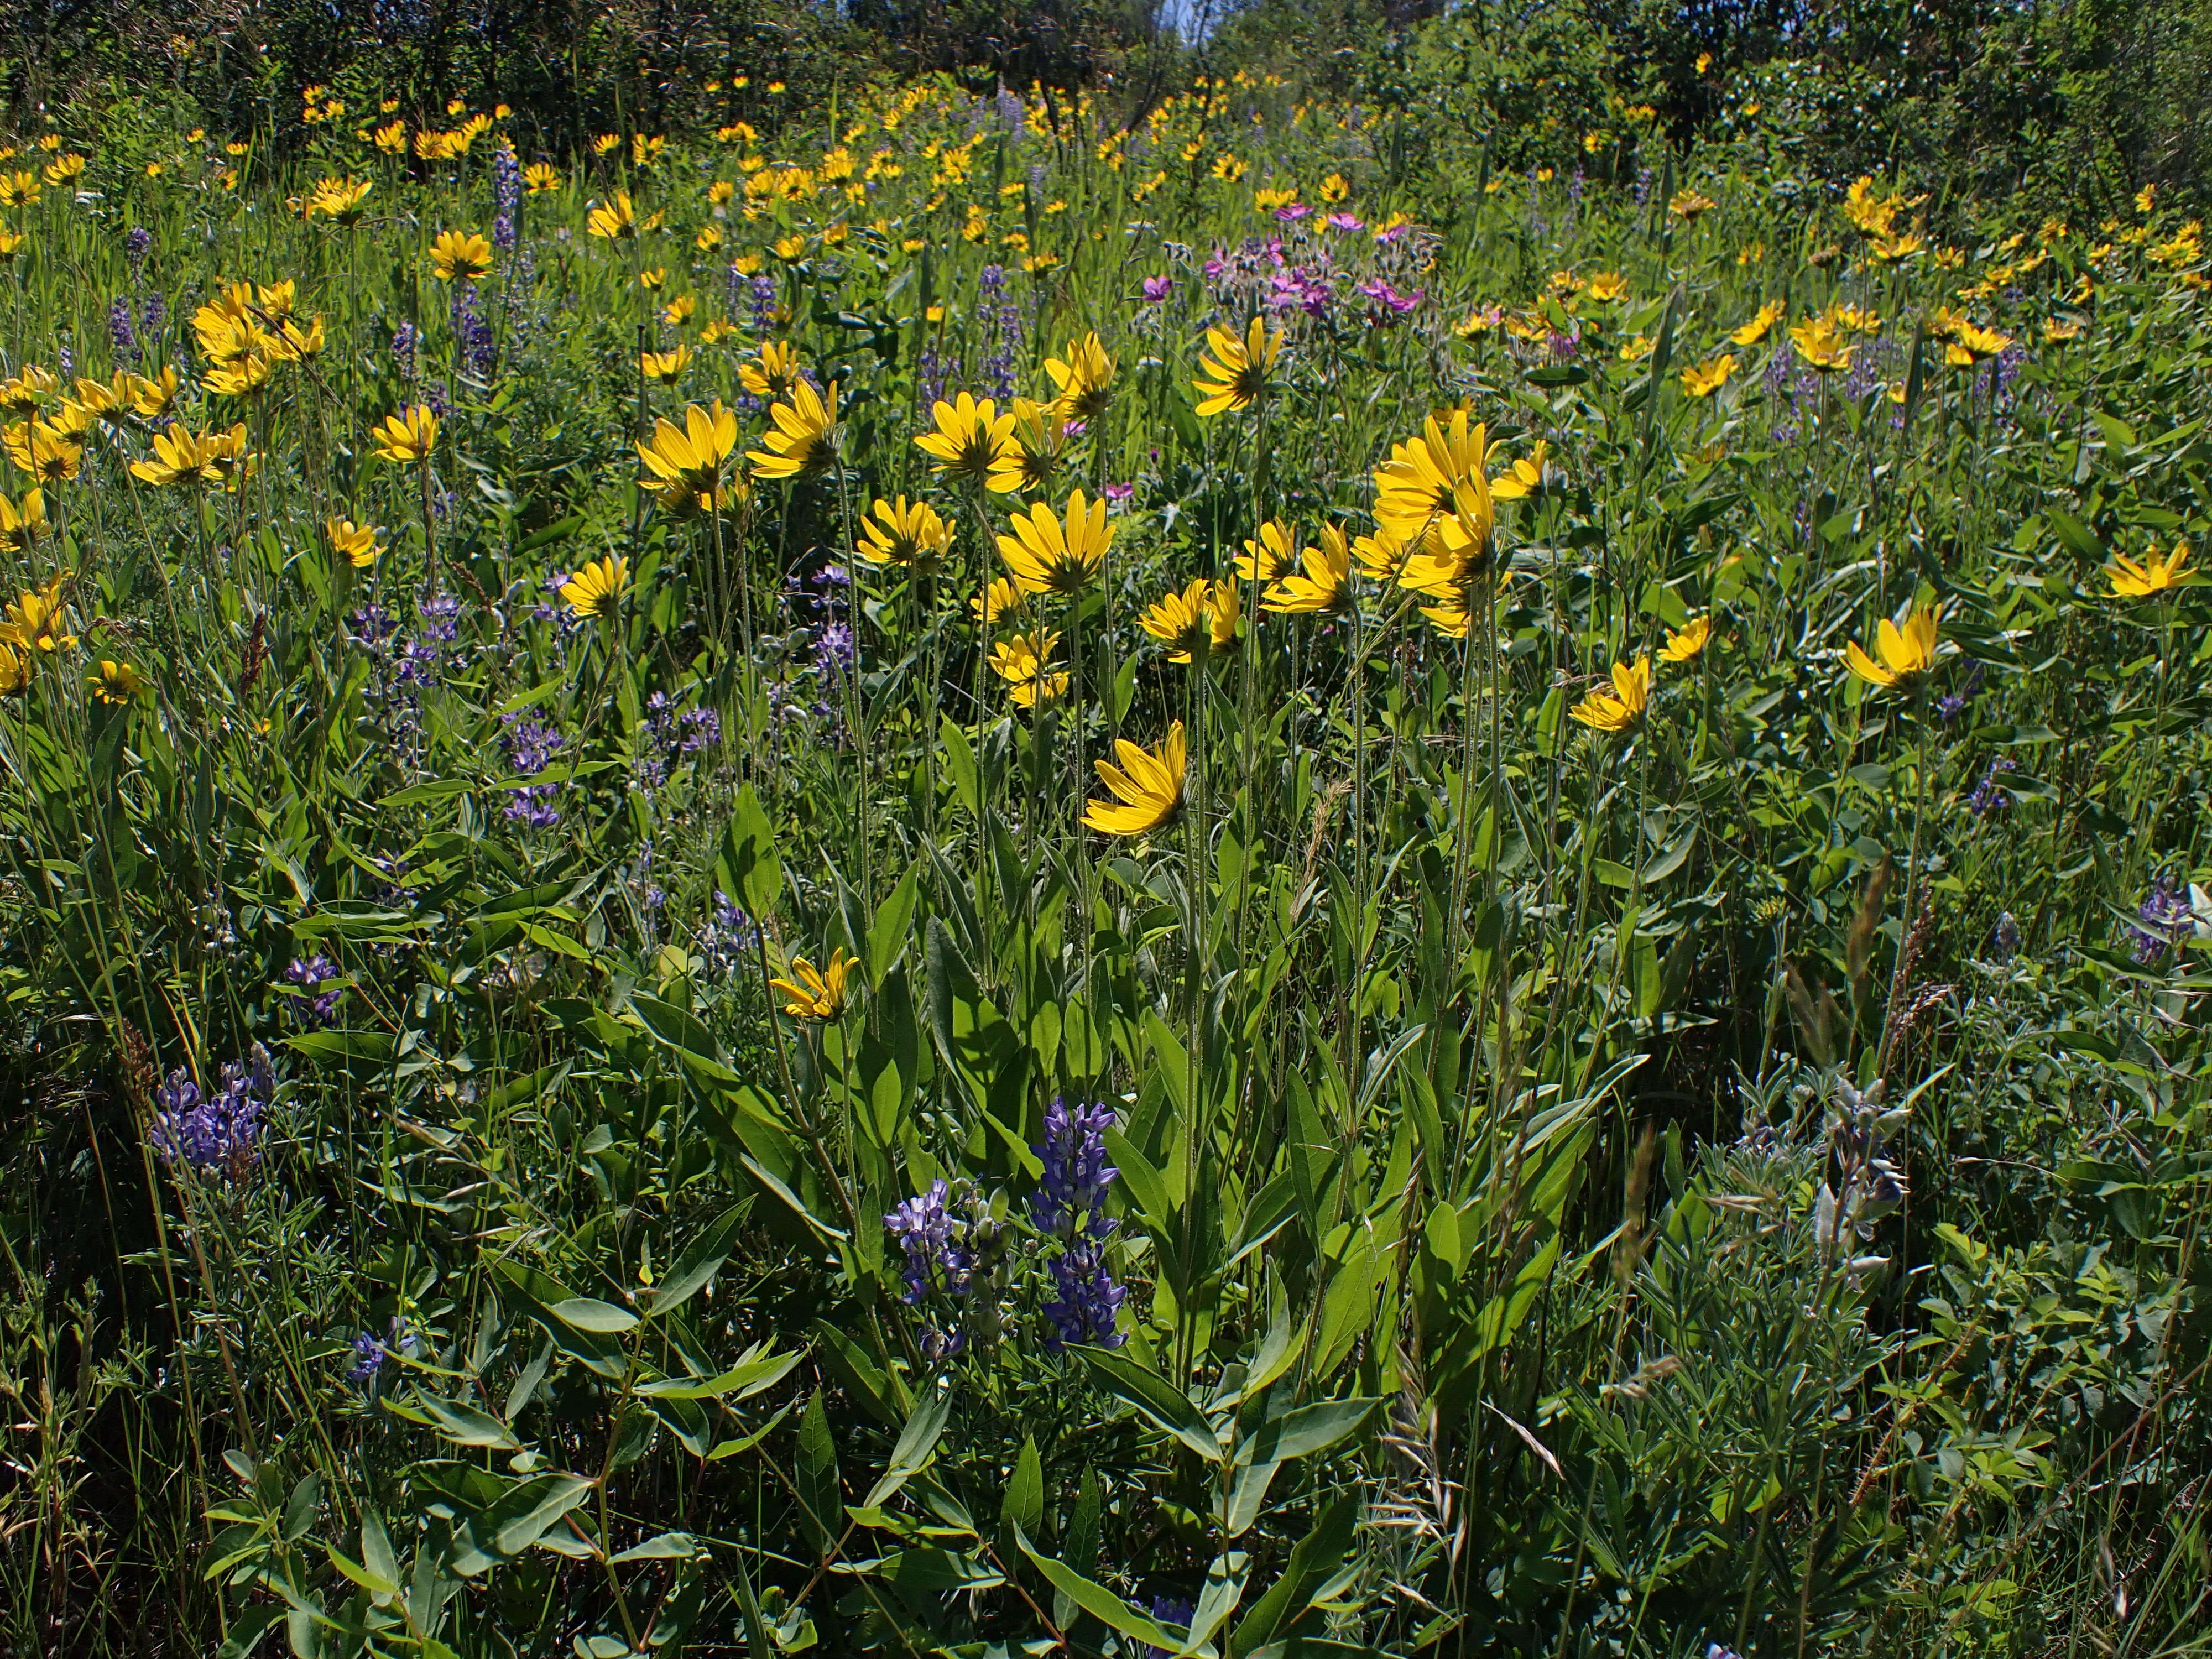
(597, 589)
(913, 537)
(245, 377)
(462, 255)
(665, 368)
(684, 466)
(1761, 325)
(1523, 479)
(969, 439)
(616, 221)
(1147, 787)
(14, 670)
(1459, 552)
(1028, 461)
(1689, 642)
(1202, 612)
(23, 393)
(777, 372)
(44, 450)
(1270, 557)
(156, 398)
(1382, 557)
(107, 401)
(22, 524)
(1608, 288)
(651, 281)
(2158, 573)
(1707, 378)
(1000, 598)
(293, 344)
(1907, 652)
(1820, 343)
(211, 460)
(115, 684)
(1024, 662)
(817, 993)
(1688, 204)
(355, 542)
(804, 441)
(408, 436)
(677, 313)
(342, 201)
(1085, 377)
(1966, 343)
(1046, 556)
(37, 621)
(1321, 586)
(1622, 706)
(1235, 375)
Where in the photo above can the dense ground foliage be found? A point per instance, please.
(960, 881)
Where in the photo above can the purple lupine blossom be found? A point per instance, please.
(372, 1352)
(506, 190)
(1068, 1206)
(763, 303)
(728, 936)
(2004, 938)
(153, 315)
(421, 661)
(1157, 288)
(998, 370)
(1173, 1611)
(2164, 916)
(1991, 796)
(1643, 190)
(137, 243)
(122, 338)
(65, 359)
(1949, 706)
(530, 745)
(953, 1243)
(935, 372)
(836, 651)
(472, 331)
(670, 734)
(403, 350)
(218, 1134)
(314, 1007)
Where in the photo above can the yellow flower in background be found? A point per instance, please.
(1907, 652)
(1820, 343)
(606, 144)
(1966, 343)
(1761, 325)
(355, 542)
(1202, 612)
(1235, 372)
(616, 221)
(295, 344)
(1608, 288)
(105, 401)
(1046, 556)
(772, 377)
(665, 368)
(1270, 557)
(156, 398)
(1024, 662)
(12, 242)
(2157, 573)
(1026, 464)
(247, 377)
(541, 178)
(651, 280)
(15, 670)
(1688, 205)
(804, 441)
(1636, 347)
(1858, 319)
(115, 684)
(1621, 708)
(20, 188)
(458, 255)
(1335, 188)
(1382, 557)
(25, 393)
(392, 139)
(342, 201)
(1085, 377)
(1321, 586)
(38, 621)
(817, 993)
(969, 439)
(685, 465)
(1523, 479)
(677, 312)
(1687, 644)
(1710, 376)
(408, 436)
(1147, 787)
(913, 536)
(1000, 598)
(597, 589)
(22, 523)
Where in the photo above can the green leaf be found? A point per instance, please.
(820, 1493)
(466, 1425)
(748, 848)
(742, 1379)
(661, 1547)
(683, 1031)
(1165, 1409)
(1100, 1602)
(1304, 1431)
(960, 766)
(1024, 1502)
(698, 1264)
(521, 1517)
(585, 1312)
(1312, 1565)
(893, 922)
(917, 1442)
(1223, 1590)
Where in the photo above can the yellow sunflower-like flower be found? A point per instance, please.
(2157, 573)
(38, 621)
(616, 221)
(684, 466)
(1270, 557)
(211, 460)
(804, 441)
(1235, 373)
(913, 536)
(969, 439)
(1382, 557)
(1419, 486)
(1820, 341)
(1966, 343)
(817, 993)
(1201, 613)
(1907, 652)
(1458, 553)
(1000, 598)
(23, 393)
(156, 398)
(1147, 787)
(1688, 643)
(771, 379)
(44, 450)
(1046, 556)
(1707, 378)
(1689, 205)
(408, 436)
(1760, 325)
(1085, 377)
(1621, 708)
(460, 255)
(1524, 478)
(1028, 461)
(1024, 663)
(597, 589)
(115, 684)
(22, 523)
(1321, 586)
(14, 670)
(665, 368)
(357, 543)
(540, 177)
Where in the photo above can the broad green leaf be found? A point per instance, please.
(1165, 1409)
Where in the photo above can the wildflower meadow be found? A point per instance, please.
(976, 868)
